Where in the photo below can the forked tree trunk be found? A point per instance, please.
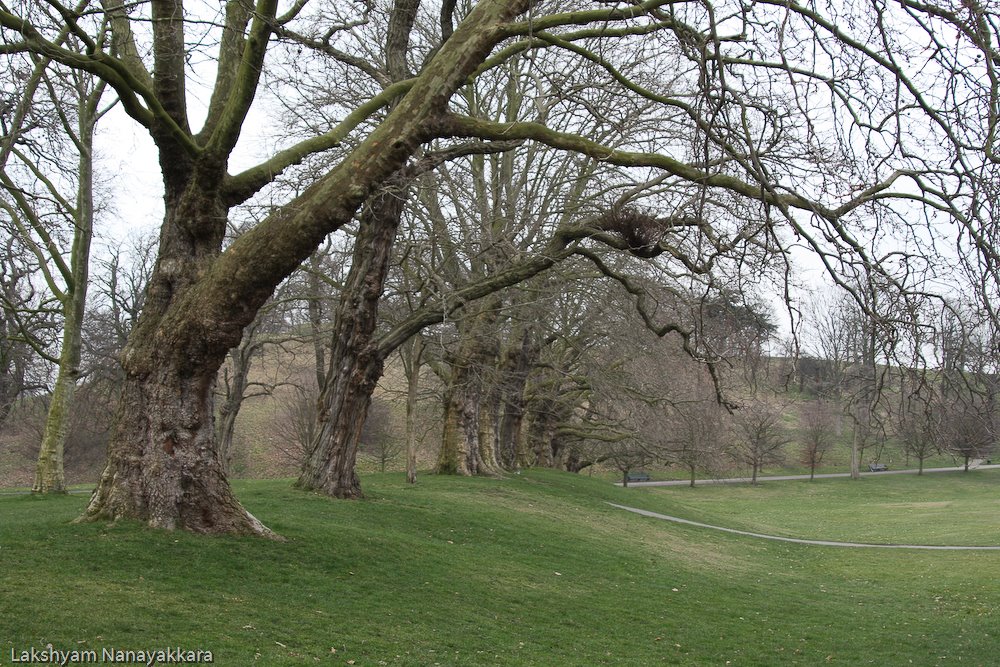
(466, 440)
(468, 436)
(515, 375)
(454, 458)
(488, 427)
(541, 431)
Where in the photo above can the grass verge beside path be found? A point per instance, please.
(531, 570)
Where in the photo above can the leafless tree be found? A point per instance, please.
(918, 425)
(967, 429)
(761, 436)
(700, 435)
(26, 326)
(51, 208)
(817, 431)
(766, 125)
(298, 411)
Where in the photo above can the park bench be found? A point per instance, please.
(637, 477)
(878, 467)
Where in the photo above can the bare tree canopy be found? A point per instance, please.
(864, 134)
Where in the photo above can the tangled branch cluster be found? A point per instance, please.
(639, 229)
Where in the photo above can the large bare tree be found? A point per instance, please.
(776, 124)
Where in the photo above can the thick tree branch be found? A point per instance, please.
(231, 53)
(169, 76)
(241, 279)
(123, 42)
(464, 126)
(137, 98)
(397, 39)
(244, 185)
(227, 128)
(583, 17)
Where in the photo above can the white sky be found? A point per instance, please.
(129, 167)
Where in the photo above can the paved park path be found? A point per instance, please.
(780, 478)
(822, 543)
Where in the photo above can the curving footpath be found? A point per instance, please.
(821, 543)
(825, 475)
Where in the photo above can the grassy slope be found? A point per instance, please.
(532, 570)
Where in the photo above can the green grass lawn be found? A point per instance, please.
(532, 570)
(954, 508)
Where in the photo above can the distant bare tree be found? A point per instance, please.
(760, 436)
(118, 291)
(376, 436)
(26, 327)
(299, 412)
(967, 429)
(699, 433)
(817, 423)
(628, 455)
(917, 418)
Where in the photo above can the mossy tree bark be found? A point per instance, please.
(356, 363)
(49, 470)
(520, 357)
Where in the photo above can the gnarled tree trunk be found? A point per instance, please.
(517, 365)
(356, 363)
(467, 439)
(163, 465)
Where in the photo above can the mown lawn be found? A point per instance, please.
(937, 508)
(535, 569)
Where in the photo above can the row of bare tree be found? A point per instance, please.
(682, 152)
(556, 390)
